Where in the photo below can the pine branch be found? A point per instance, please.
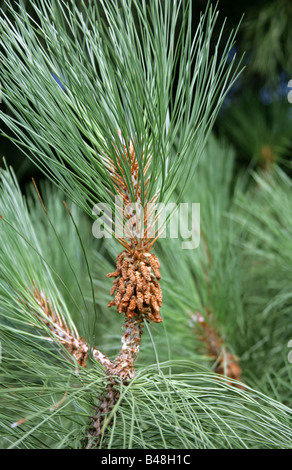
(225, 363)
(169, 404)
(75, 345)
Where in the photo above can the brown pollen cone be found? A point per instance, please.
(136, 287)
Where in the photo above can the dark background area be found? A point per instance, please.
(256, 116)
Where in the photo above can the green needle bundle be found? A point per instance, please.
(115, 101)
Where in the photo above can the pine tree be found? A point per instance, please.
(115, 104)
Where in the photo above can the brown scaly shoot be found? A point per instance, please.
(74, 344)
(225, 363)
(99, 414)
(139, 233)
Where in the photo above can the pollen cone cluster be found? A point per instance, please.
(136, 287)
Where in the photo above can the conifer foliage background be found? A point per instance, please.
(216, 372)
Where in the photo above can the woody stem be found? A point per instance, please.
(123, 366)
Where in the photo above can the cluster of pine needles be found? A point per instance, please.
(214, 374)
(116, 100)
